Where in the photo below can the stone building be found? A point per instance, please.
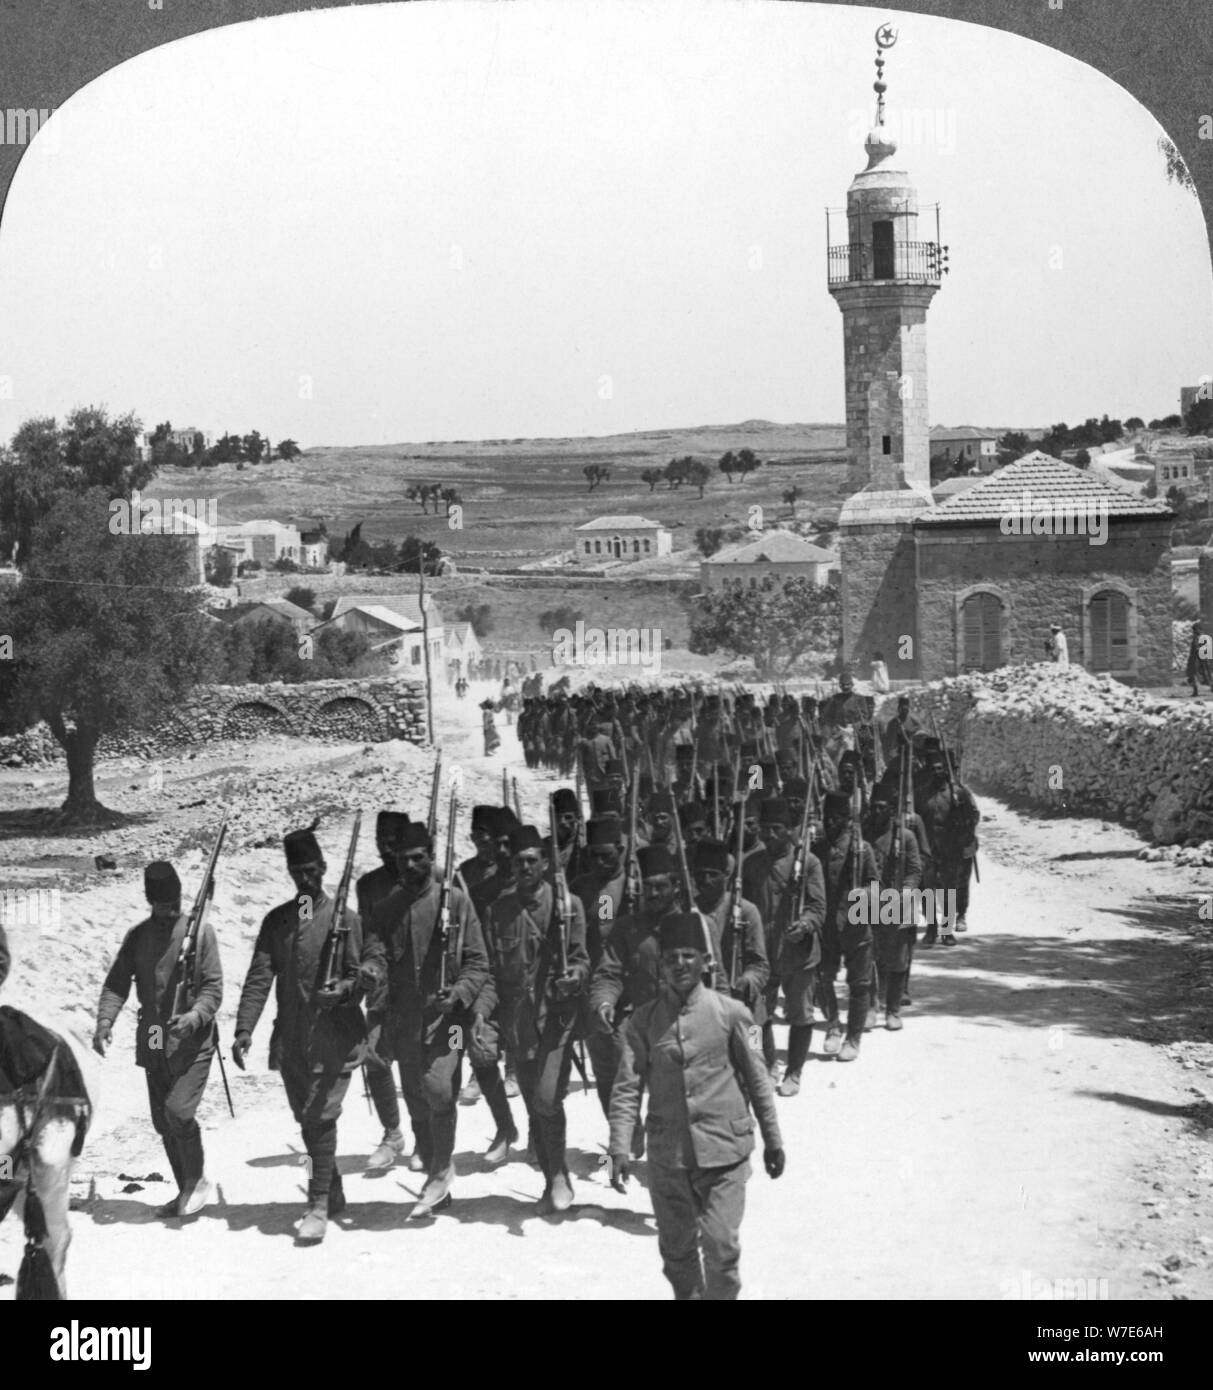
(976, 449)
(974, 581)
(620, 538)
(781, 554)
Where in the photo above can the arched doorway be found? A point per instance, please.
(1109, 618)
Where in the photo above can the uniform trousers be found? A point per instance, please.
(699, 1213)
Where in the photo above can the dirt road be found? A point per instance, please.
(1044, 1118)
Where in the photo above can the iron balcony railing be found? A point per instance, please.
(908, 262)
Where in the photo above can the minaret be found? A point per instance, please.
(883, 278)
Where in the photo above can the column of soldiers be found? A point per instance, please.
(730, 850)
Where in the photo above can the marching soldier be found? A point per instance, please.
(421, 990)
(538, 1007)
(951, 821)
(691, 1048)
(318, 1035)
(844, 942)
(371, 889)
(899, 732)
(174, 1052)
(741, 957)
(892, 845)
(568, 831)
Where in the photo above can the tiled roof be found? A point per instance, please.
(777, 547)
(619, 523)
(401, 605)
(939, 435)
(1047, 480)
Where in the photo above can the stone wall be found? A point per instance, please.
(1073, 742)
(876, 551)
(355, 711)
(1041, 580)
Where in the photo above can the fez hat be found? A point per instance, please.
(795, 788)
(604, 801)
(604, 830)
(507, 821)
(661, 801)
(683, 753)
(882, 795)
(837, 803)
(391, 823)
(302, 847)
(711, 854)
(693, 813)
(930, 744)
(484, 818)
(415, 835)
(565, 799)
(774, 811)
(850, 758)
(160, 882)
(680, 931)
(654, 860)
(526, 837)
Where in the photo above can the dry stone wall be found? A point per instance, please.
(367, 711)
(1071, 741)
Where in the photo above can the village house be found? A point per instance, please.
(781, 554)
(463, 651)
(393, 623)
(974, 448)
(620, 538)
(271, 610)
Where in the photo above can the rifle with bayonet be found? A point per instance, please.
(735, 918)
(563, 906)
(187, 960)
(517, 800)
(688, 892)
(336, 944)
(435, 787)
(633, 899)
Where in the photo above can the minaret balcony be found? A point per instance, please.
(902, 263)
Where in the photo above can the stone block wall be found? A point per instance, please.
(1041, 580)
(1070, 741)
(371, 710)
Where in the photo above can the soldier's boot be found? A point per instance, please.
(391, 1146)
(499, 1149)
(562, 1191)
(195, 1189)
(833, 1042)
(493, 1089)
(875, 1018)
(769, 1053)
(168, 1210)
(337, 1201)
(800, 1036)
(315, 1223)
(895, 990)
(436, 1194)
(857, 1009)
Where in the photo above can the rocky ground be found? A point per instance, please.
(1045, 1115)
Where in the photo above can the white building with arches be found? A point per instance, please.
(610, 538)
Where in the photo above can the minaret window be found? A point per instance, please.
(886, 443)
(882, 251)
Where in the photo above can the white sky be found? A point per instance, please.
(458, 218)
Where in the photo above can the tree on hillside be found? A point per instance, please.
(747, 462)
(698, 474)
(595, 473)
(414, 552)
(728, 464)
(791, 496)
(107, 635)
(1199, 417)
(1013, 445)
(47, 462)
(348, 544)
(552, 619)
(709, 539)
(301, 596)
(252, 446)
(480, 615)
(288, 449)
(774, 624)
(451, 497)
(1168, 422)
(652, 476)
(1133, 423)
(415, 493)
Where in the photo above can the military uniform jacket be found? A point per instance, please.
(404, 945)
(525, 936)
(836, 862)
(895, 734)
(951, 823)
(601, 906)
(742, 956)
(372, 888)
(629, 972)
(149, 956)
(290, 955)
(702, 1073)
(884, 848)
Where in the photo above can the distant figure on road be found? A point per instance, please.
(461, 688)
(880, 674)
(1199, 667)
(492, 739)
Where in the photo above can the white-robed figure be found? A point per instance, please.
(1058, 649)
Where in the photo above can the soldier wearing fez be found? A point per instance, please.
(175, 1053)
(421, 991)
(371, 890)
(318, 1035)
(697, 1054)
